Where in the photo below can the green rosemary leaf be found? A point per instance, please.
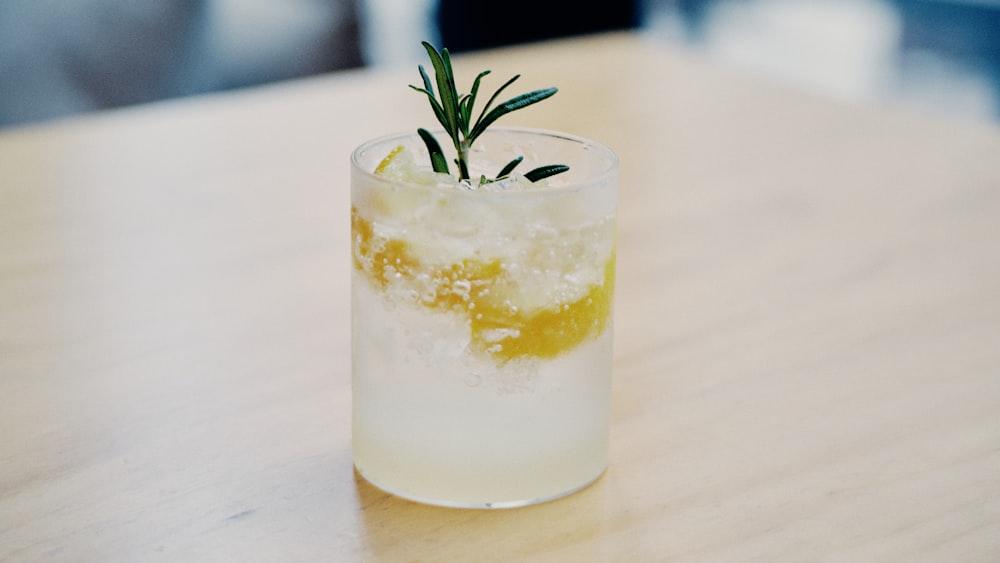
(493, 98)
(451, 91)
(428, 86)
(463, 168)
(446, 89)
(510, 167)
(545, 171)
(510, 105)
(438, 162)
(464, 113)
(475, 89)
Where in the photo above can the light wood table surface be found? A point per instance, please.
(807, 355)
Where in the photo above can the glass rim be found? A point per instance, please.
(600, 177)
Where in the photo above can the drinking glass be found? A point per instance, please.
(482, 321)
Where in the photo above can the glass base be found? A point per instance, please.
(481, 505)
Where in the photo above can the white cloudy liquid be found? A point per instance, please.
(435, 424)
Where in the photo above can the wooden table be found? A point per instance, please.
(807, 327)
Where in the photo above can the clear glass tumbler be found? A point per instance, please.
(482, 323)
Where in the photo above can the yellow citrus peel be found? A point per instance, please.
(479, 291)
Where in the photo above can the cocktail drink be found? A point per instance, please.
(481, 304)
(482, 320)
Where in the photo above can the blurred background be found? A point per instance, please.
(59, 58)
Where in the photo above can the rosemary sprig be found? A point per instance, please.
(454, 112)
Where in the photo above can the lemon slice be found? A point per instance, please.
(399, 165)
(387, 161)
